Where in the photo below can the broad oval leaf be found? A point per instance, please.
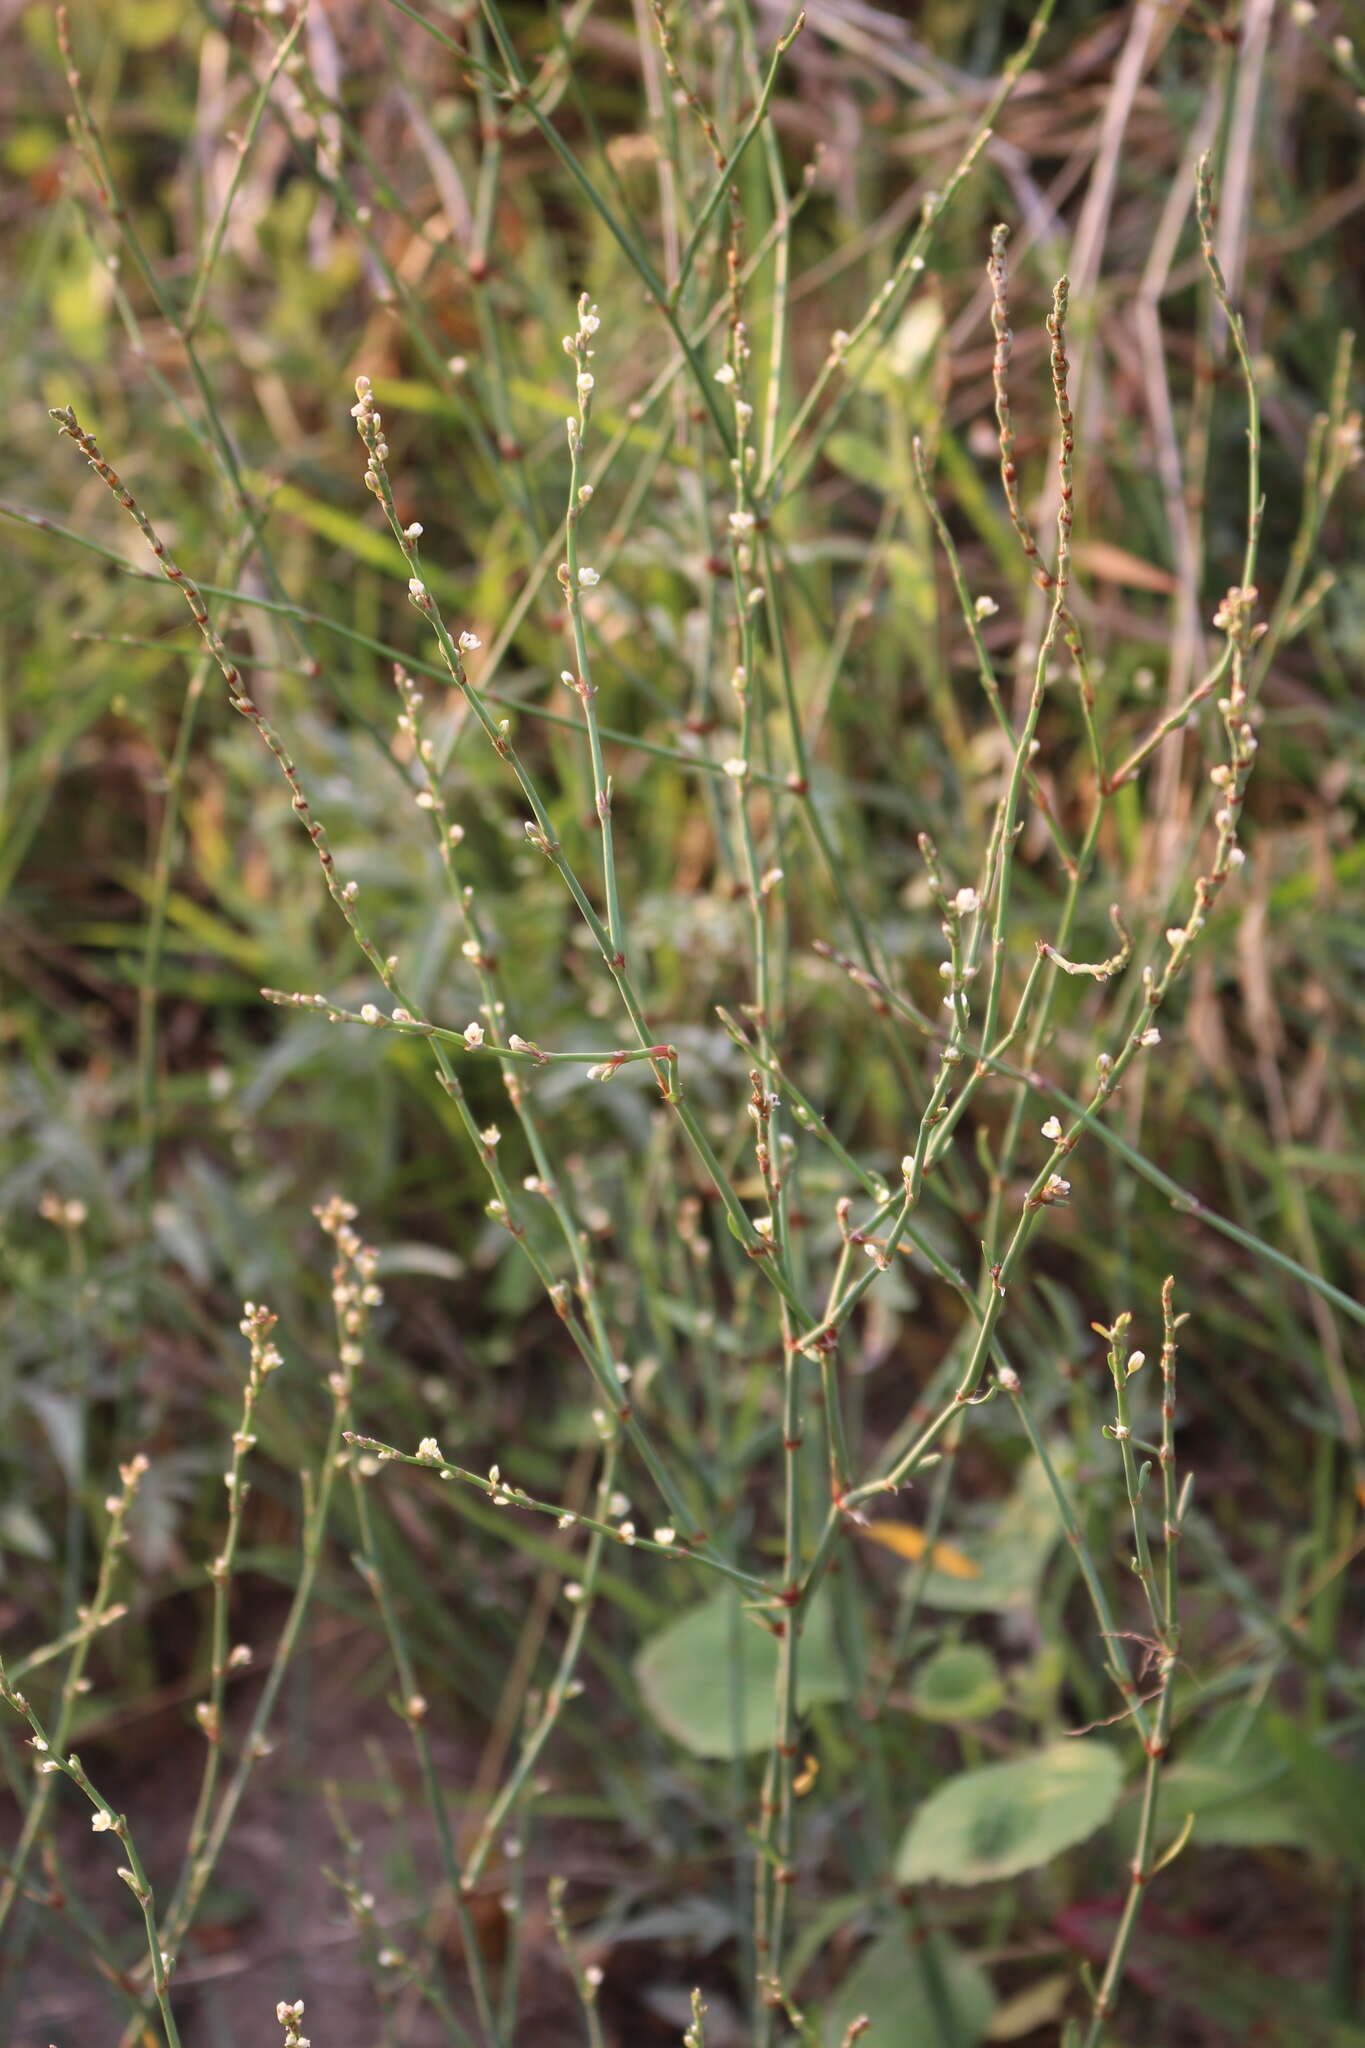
(709, 1677)
(959, 1683)
(912, 1992)
(1002, 1818)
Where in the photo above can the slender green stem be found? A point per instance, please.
(1085, 1560)
(724, 180)
(208, 262)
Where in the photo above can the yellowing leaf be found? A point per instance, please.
(908, 1541)
(1110, 564)
(803, 1782)
(1037, 2005)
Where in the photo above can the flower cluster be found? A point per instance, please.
(577, 345)
(354, 1289)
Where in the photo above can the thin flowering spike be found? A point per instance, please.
(1057, 579)
(1056, 327)
(1162, 1648)
(96, 1615)
(56, 1760)
(354, 1298)
(239, 695)
(998, 275)
(785, 472)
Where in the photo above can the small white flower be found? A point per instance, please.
(1236, 856)
(665, 1537)
(725, 374)
(492, 1137)
(429, 1451)
(1056, 1185)
(741, 523)
(469, 642)
(1052, 1129)
(585, 382)
(413, 532)
(473, 1035)
(573, 1591)
(1151, 1036)
(102, 1822)
(1136, 1361)
(965, 902)
(985, 608)
(735, 768)
(588, 579)
(368, 1014)
(417, 590)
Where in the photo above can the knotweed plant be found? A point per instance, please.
(724, 1288)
